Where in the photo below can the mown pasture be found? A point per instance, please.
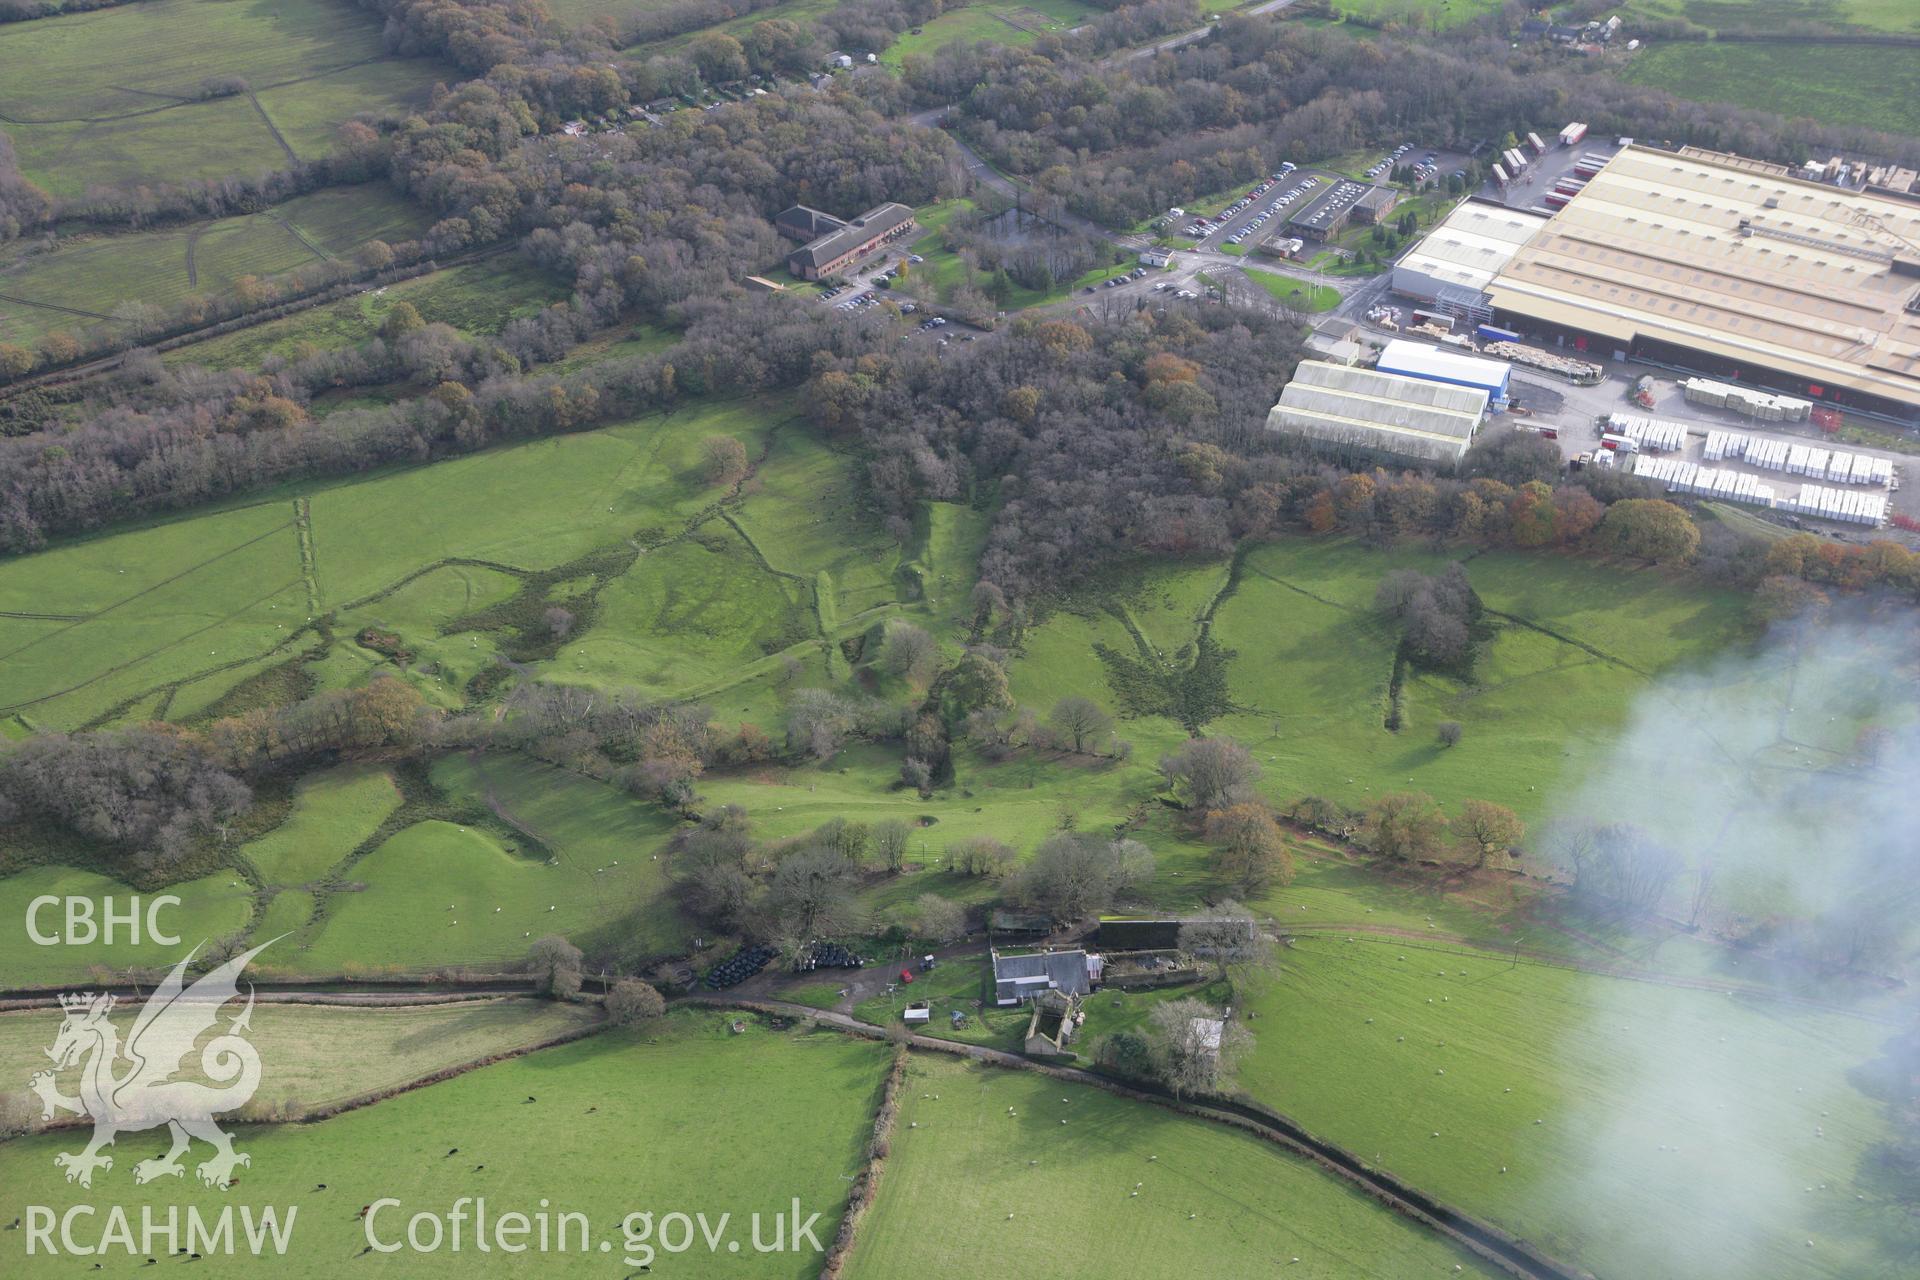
(313, 1055)
(683, 1117)
(1849, 84)
(79, 284)
(1633, 1127)
(1003, 23)
(121, 95)
(212, 906)
(983, 1168)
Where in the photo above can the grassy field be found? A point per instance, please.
(1833, 84)
(1774, 15)
(314, 1054)
(686, 1117)
(1426, 15)
(1298, 294)
(1307, 683)
(332, 813)
(1634, 1128)
(478, 299)
(982, 1169)
(200, 597)
(96, 274)
(443, 893)
(210, 907)
(1001, 23)
(114, 96)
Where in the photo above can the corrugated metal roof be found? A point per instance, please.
(1418, 361)
(1653, 246)
(1412, 417)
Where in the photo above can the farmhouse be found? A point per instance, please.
(1372, 413)
(832, 244)
(1026, 977)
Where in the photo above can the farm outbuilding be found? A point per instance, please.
(1369, 411)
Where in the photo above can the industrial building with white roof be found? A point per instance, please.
(1706, 262)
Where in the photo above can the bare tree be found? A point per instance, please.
(1075, 874)
(890, 843)
(1251, 851)
(1210, 773)
(1080, 720)
(908, 651)
(1229, 938)
(1193, 1047)
(555, 965)
(1406, 825)
(937, 919)
(812, 894)
(1489, 828)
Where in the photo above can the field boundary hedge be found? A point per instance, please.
(867, 1184)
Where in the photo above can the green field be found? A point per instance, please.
(567, 855)
(1833, 84)
(210, 907)
(1298, 294)
(478, 299)
(686, 1117)
(982, 1169)
(1307, 685)
(1668, 1117)
(96, 274)
(1001, 23)
(114, 96)
(1427, 15)
(332, 813)
(200, 597)
(1774, 15)
(315, 1055)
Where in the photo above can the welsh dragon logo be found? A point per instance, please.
(129, 1088)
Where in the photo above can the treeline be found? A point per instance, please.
(25, 10)
(190, 436)
(1122, 141)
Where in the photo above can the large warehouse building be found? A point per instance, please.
(1367, 413)
(1717, 264)
(1462, 255)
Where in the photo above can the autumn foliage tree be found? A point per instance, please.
(1406, 826)
(1249, 850)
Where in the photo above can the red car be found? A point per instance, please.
(906, 976)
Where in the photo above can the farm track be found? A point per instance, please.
(53, 306)
(280, 138)
(173, 102)
(1480, 1239)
